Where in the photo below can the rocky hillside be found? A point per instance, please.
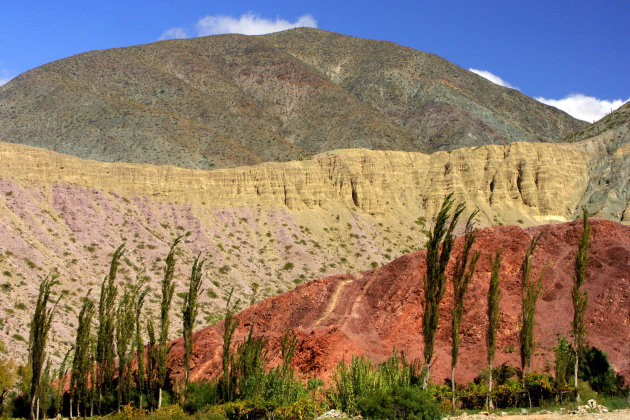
(330, 315)
(275, 224)
(233, 100)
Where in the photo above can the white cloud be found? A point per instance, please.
(492, 77)
(174, 33)
(249, 24)
(4, 80)
(584, 107)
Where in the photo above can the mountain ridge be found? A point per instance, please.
(233, 100)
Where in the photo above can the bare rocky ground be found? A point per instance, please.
(613, 415)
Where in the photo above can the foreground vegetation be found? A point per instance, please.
(90, 381)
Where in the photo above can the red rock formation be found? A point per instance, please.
(371, 312)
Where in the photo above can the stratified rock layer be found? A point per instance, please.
(375, 311)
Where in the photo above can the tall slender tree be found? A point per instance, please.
(61, 380)
(40, 326)
(494, 300)
(580, 297)
(227, 385)
(189, 312)
(439, 246)
(140, 350)
(168, 288)
(464, 269)
(105, 350)
(79, 377)
(125, 326)
(531, 290)
(152, 361)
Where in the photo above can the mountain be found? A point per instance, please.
(373, 312)
(276, 224)
(232, 100)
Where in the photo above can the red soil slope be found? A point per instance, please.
(371, 312)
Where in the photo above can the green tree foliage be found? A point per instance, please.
(168, 288)
(361, 378)
(401, 402)
(494, 301)
(227, 385)
(40, 326)
(530, 293)
(596, 370)
(140, 350)
(564, 357)
(464, 269)
(105, 350)
(580, 296)
(62, 372)
(8, 379)
(125, 326)
(82, 361)
(189, 313)
(439, 246)
(152, 361)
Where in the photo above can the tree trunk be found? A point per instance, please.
(575, 377)
(140, 403)
(425, 380)
(37, 409)
(159, 404)
(489, 403)
(32, 414)
(453, 387)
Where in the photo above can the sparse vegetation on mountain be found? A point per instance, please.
(439, 246)
(277, 97)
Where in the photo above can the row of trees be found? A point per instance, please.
(94, 377)
(142, 370)
(439, 247)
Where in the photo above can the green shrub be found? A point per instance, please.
(199, 395)
(401, 402)
(595, 369)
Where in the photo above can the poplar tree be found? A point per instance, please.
(189, 313)
(168, 288)
(140, 350)
(435, 280)
(40, 326)
(79, 378)
(61, 381)
(106, 329)
(531, 290)
(125, 325)
(494, 299)
(464, 269)
(580, 297)
(227, 382)
(152, 361)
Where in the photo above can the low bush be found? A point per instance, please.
(400, 402)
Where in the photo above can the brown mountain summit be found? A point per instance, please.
(372, 312)
(233, 100)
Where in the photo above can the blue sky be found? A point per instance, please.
(573, 52)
